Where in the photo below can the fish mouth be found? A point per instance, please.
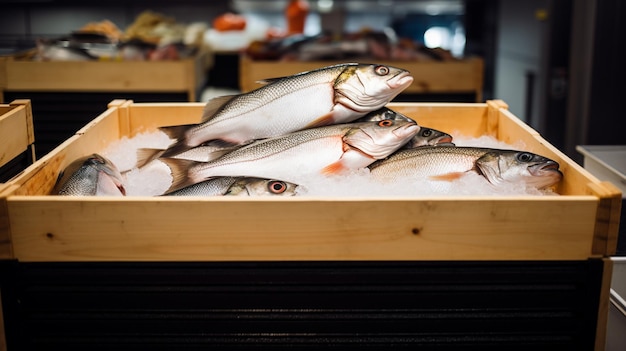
(405, 130)
(546, 174)
(400, 80)
(444, 141)
(544, 168)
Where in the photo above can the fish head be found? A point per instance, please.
(509, 166)
(261, 187)
(379, 139)
(367, 87)
(429, 136)
(384, 113)
(90, 175)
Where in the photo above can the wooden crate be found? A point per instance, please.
(17, 135)
(431, 77)
(581, 223)
(317, 239)
(20, 74)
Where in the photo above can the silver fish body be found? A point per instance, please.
(92, 175)
(426, 136)
(447, 163)
(329, 95)
(293, 157)
(237, 186)
(212, 187)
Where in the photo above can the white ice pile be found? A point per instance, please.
(155, 178)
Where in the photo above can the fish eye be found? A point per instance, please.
(385, 123)
(524, 157)
(276, 187)
(427, 132)
(381, 70)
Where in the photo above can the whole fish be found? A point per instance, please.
(448, 163)
(292, 157)
(329, 95)
(426, 136)
(237, 186)
(88, 176)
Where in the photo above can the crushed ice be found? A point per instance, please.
(155, 178)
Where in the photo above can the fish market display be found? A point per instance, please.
(325, 131)
(329, 95)
(426, 136)
(447, 163)
(295, 156)
(88, 176)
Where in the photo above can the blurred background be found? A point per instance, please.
(556, 63)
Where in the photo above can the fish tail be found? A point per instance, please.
(146, 155)
(177, 132)
(180, 173)
(175, 149)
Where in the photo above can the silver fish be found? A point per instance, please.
(89, 176)
(447, 163)
(292, 157)
(329, 95)
(237, 186)
(426, 136)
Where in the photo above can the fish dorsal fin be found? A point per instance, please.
(214, 105)
(269, 80)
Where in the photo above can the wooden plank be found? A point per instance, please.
(468, 120)
(208, 229)
(6, 245)
(607, 218)
(603, 307)
(14, 133)
(185, 75)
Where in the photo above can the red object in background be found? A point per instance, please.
(296, 13)
(229, 21)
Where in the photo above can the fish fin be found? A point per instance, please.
(449, 177)
(147, 155)
(214, 105)
(180, 173)
(177, 132)
(334, 168)
(321, 121)
(269, 80)
(175, 149)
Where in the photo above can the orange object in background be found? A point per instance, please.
(296, 13)
(229, 21)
